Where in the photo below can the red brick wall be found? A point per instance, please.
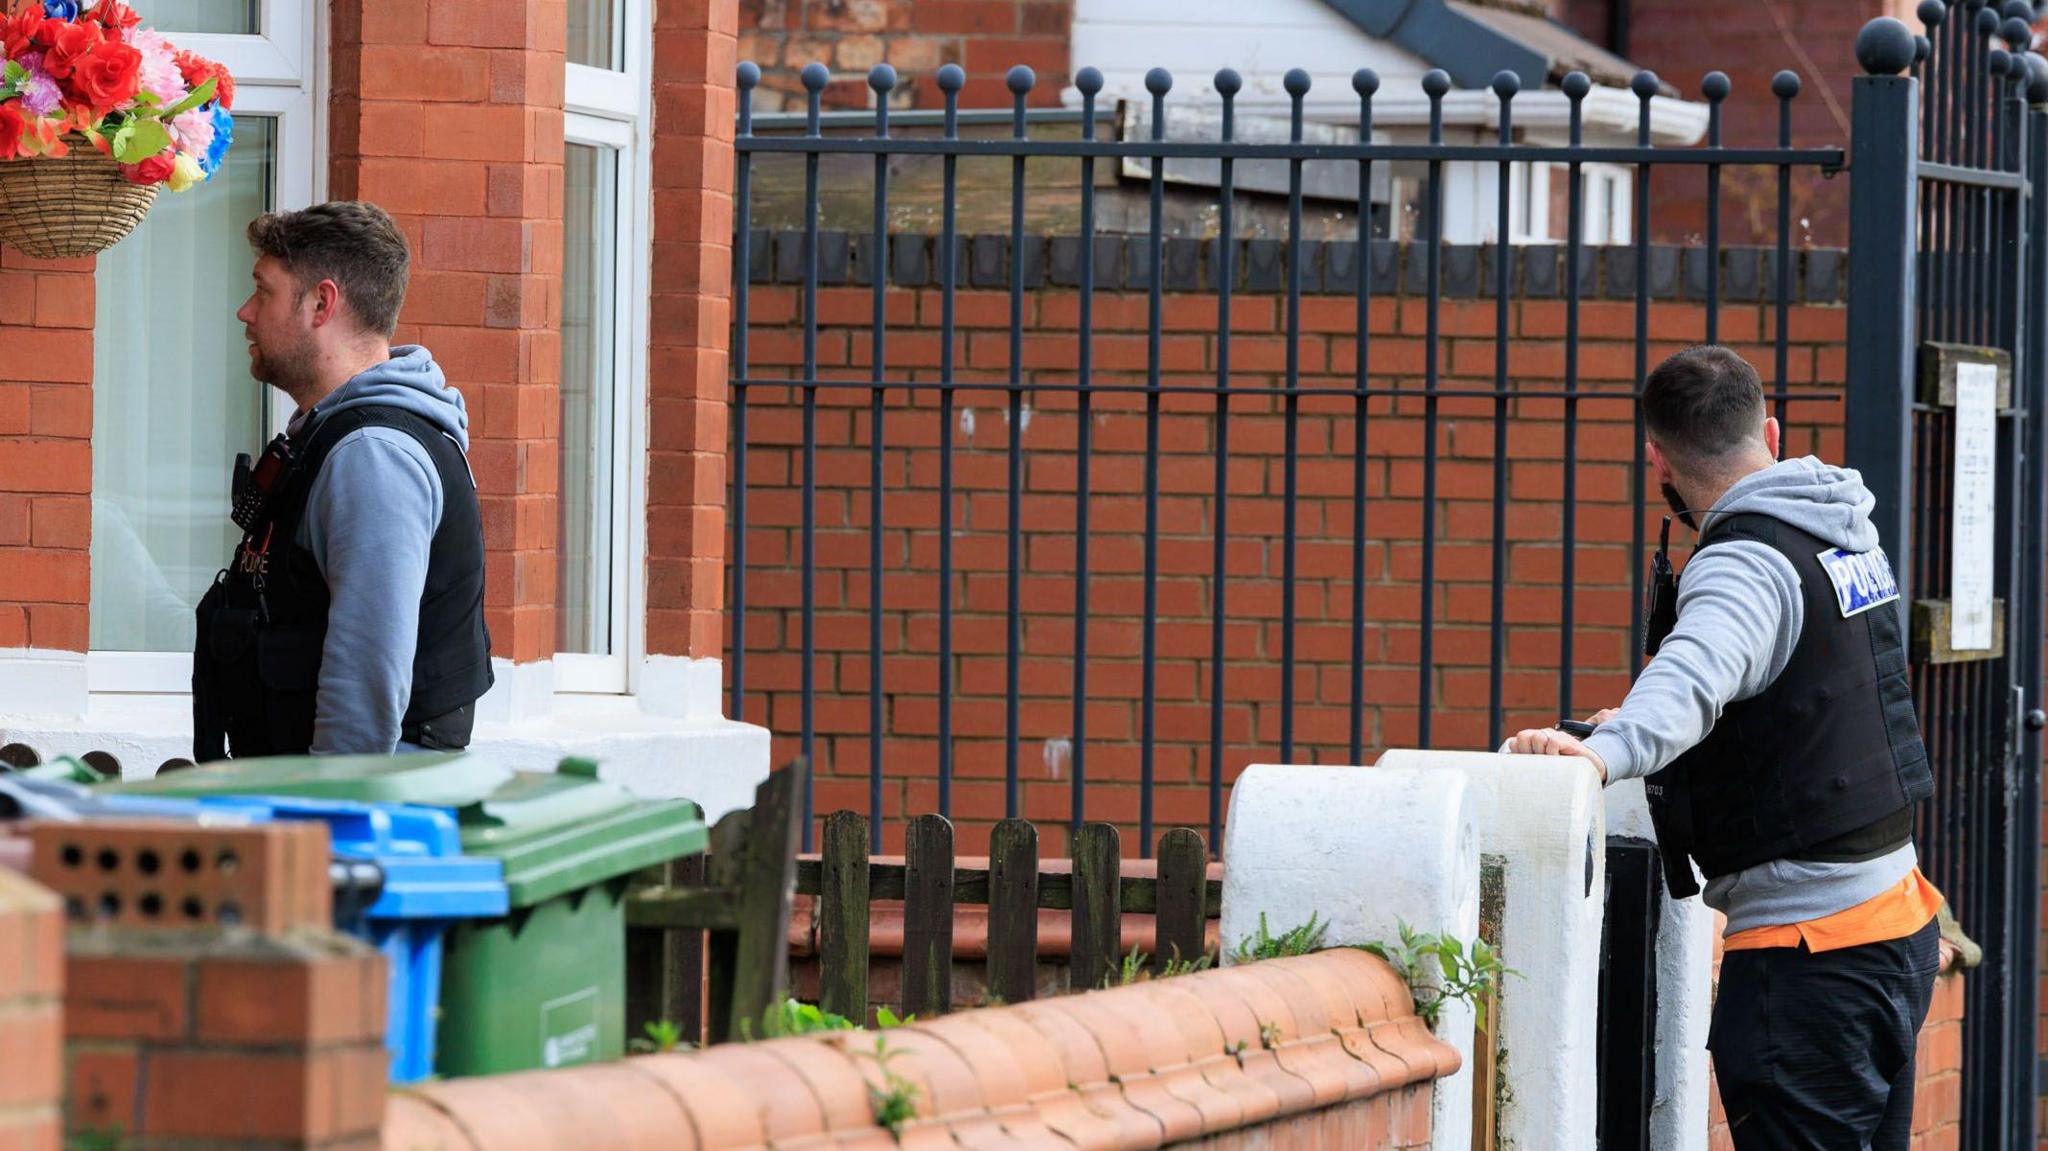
(980, 440)
(691, 330)
(450, 116)
(1751, 43)
(31, 1014)
(985, 37)
(45, 450)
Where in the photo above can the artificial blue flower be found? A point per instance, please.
(223, 136)
(61, 9)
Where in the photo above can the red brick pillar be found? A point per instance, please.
(46, 319)
(182, 1029)
(31, 1014)
(695, 53)
(449, 115)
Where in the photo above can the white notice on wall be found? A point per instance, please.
(1975, 506)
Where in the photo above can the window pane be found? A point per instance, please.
(589, 307)
(226, 17)
(596, 34)
(173, 401)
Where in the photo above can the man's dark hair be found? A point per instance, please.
(1703, 404)
(352, 242)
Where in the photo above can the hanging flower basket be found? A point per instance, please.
(97, 113)
(98, 207)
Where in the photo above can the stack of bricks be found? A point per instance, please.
(46, 319)
(917, 37)
(449, 115)
(31, 1014)
(208, 1003)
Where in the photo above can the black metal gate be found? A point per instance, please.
(1946, 374)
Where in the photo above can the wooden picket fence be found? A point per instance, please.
(1014, 887)
(707, 940)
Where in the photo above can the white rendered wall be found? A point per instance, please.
(1544, 817)
(1364, 849)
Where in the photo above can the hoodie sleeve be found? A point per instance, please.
(370, 520)
(1739, 616)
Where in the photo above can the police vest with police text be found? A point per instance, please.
(1827, 761)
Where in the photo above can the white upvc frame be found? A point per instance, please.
(278, 75)
(610, 109)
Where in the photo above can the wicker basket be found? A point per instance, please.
(75, 205)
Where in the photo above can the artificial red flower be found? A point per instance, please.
(18, 32)
(10, 130)
(107, 78)
(198, 70)
(154, 170)
(71, 45)
(116, 15)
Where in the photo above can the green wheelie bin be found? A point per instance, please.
(544, 985)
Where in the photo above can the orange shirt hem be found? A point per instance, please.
(1895, 913)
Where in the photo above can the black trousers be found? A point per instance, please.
(1814, 1052)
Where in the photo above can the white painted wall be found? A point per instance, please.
(1364, 849)
(1544, 816)
(669, 741)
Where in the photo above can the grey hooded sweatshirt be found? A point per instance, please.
(1739, 617)
(370, 520)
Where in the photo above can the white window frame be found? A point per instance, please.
(611, 109)
(277, 75)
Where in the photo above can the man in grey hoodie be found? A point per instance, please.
(351, 617)
(1775, 727)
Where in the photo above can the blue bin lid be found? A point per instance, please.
(419, 849)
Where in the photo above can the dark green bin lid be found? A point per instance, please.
(558, 832)
(431, 779)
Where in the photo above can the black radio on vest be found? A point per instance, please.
(1825, 763)
(263, 624)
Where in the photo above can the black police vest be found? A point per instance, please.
(1827, 761)
(263, 624)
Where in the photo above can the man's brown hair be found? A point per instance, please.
(1704, 404)
(352, 242)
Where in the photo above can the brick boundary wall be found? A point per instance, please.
(917, 37)
(31, 1015)
(1321, 1050)
(1536, 445)
(45, 451)
(256, 1030)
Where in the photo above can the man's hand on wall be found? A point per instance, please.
(1550, 741)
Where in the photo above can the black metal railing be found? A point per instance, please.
(895, 396)
(1950, 160)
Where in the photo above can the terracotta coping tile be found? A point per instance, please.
(948, 1086)
(412, 1123)
(1392, 1070)
(878, 1139)
(496, 1113)
(1081, 1057)
(841, 1089)
(787, 1104)
(1123, 1049)
(1037, 1060)
(1262, 1067)
(707, 1095)
(1311, 1014)
(994, 1067)
(985, 1133)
